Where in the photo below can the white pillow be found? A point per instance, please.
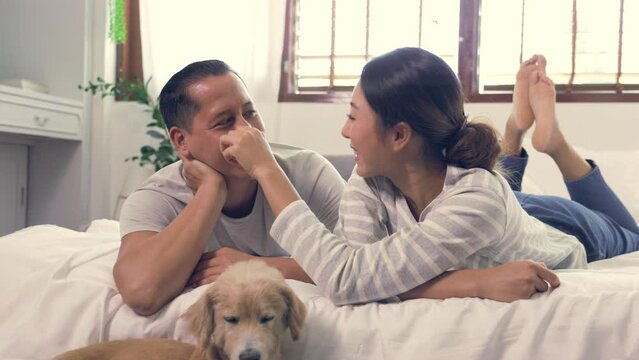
(104, 226)
(620, 169)
(529, 186)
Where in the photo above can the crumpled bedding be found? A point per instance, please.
(58, 293)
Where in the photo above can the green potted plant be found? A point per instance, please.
(157, 156)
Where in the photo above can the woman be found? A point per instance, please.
(425, 198)
(595, 216)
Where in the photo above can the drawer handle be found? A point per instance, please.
(41, 121)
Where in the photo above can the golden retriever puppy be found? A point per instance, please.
(241, 316)
(245, 312)
(132, 349)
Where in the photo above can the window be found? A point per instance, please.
(128, 60)
(587, 43)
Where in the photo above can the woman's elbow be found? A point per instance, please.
(345, 293)
(339, 301)
(339, 296)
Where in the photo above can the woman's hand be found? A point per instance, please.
(516, 280)
(198, 174)
(247, 146)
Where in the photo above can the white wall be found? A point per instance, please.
(596, 126)
(43, 37)
(46, 42)
(600, 126)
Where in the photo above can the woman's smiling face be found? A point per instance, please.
(367, 136)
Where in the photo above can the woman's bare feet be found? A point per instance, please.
(522, 116)
(547, 136)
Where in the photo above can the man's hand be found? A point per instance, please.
(197, 174)
(516, 280)
(213, 263)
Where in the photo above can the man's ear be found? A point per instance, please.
(178, 139)
(400, 135)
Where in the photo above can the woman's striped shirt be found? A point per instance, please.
(379, 250)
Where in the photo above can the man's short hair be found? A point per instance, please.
(176, 106)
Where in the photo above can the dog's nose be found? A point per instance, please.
(250, 354)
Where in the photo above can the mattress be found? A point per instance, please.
(58, 294)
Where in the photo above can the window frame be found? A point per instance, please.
(469, 25)
(128, 56)
(287, 85)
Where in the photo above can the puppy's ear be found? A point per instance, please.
(201, 317)
(295, 312)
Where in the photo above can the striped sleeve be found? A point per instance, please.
(458, 227)
(362, 217)
(325, 193)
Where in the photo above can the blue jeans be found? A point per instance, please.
(594, 214)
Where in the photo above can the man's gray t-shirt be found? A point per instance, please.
(165, 194)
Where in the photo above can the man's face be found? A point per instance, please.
(224, 105)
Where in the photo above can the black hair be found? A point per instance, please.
(419, 88)
(176, 106)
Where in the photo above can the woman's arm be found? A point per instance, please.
(248, 147)
(388, 267)
(360, 209)
(516, 280)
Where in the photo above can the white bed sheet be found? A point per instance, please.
(58, 293)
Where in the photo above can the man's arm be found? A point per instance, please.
(213, 263)
(289, 268)
(153, 267)
(322, 187)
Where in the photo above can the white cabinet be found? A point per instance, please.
(51, 128)
(30, 113)
(49, 43)
(13, 187)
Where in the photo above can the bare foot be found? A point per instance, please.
(522, 116)
(547, 137)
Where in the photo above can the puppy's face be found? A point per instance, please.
(245, 312)
(250, 320)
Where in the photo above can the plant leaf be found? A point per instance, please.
(155, 134)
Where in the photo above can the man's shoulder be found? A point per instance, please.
(169, 173)
(307, 170)
(297, 161)
(168, 181)
(285, 153)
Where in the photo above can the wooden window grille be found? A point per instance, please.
(327, 42)
(589, 44)
(129, 54)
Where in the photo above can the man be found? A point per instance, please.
(180, 230)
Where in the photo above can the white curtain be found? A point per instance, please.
(239, 32)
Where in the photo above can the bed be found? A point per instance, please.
(58, 293)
